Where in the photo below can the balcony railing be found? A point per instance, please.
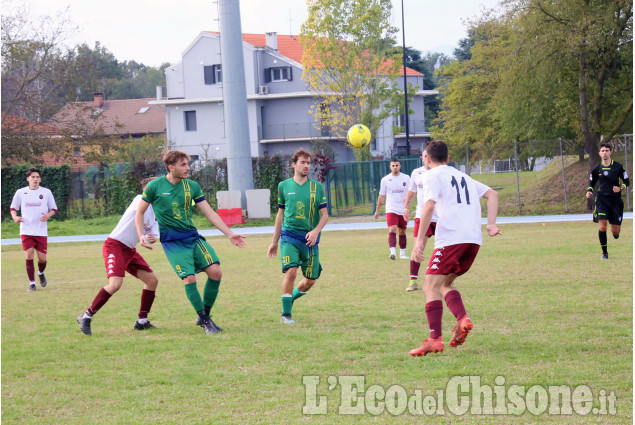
(306, 130)
(415, 126)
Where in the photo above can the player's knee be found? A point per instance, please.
(291, 273)
(215, 274)
(152, 282)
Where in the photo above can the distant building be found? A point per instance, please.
(278, 102)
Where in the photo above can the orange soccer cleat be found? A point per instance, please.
(460, 331)
(429, 346)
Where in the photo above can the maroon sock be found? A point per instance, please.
(402, 241)
(434, 313)
(41, 266)
(414, 269)
(455, 304)
(392, 240)
(30, 270)
(147, 298)
(102, 297)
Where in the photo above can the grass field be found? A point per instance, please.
(546, 312)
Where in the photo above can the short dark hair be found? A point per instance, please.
(395, 160)
(297, 154)
(605, 145)
(172, 157)
(33, 170)
(437, 151)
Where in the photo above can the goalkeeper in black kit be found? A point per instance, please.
(609, 205)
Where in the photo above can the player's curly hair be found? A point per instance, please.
(172, 157)
(300, 152)
(33, 170)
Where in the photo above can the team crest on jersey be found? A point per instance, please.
(41, 196)
(606, 173)
(404, 183)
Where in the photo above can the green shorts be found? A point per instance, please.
(189, 257)
(295, 253)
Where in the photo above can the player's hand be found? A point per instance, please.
(617, 189)
(417, 253)
(493, 230)
(238, 240)
(311, 238)
(18, 220)
(151, 238)
(273, 250)
(376, 214)
(144, 242)
(406, 214)
(44, 217)
(589, 194)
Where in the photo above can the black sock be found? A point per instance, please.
(203, 315)
(603, 241)
(616, 236)
(208, 309)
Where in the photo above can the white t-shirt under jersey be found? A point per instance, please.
(394, 188)
(457, 198)
(126, 231)
(416, 186)
(32, 204)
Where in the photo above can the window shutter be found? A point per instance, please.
(267, 75)
(290, 73)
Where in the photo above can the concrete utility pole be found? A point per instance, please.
(239, 171)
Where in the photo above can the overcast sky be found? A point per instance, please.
(156, 31)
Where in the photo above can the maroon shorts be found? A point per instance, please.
(453, 259)
(393, 219)
(119, 259)
(431, 228)
(37, 242)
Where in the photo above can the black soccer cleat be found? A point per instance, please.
(199, 322)
(84, 324)
(42, 280)
(604, 257)
(143, 326)
(208, 327)
(32, 287)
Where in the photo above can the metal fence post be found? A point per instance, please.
(564, 181)
(517, 177)
(467, 156)
(628, 198)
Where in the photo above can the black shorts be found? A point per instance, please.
(608, 208)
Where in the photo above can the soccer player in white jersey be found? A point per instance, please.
(416, 189)
(36, 205)
(120, 256)
(457, 237)
(392, 191)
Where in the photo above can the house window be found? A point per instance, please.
(77, 151)
(213, 74)
(283, 73)
(190, 120)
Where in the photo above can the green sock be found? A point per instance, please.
(210, 293)
(287, 303)
(297, 293)
(193, 295)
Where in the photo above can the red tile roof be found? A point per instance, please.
(114, 117)
(18, 125)
(290, 46)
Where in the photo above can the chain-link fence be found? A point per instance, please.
(532, 177)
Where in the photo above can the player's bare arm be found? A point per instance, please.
(16, 217)
(312, 236)
(213, 217)
(138, 221)
(492, 212)
(424, 223)
(47, 216)
(380, 202)
(273, 248)
(407, 201)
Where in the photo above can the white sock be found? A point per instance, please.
(40, 273)
(393, 250)
(32, 282)
(402, 252)
(142, 320)
(87, 315)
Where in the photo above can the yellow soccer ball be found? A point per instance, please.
(358, 136)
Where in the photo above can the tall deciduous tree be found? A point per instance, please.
(346, 44)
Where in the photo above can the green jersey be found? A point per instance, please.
(301, 204)
(172, 206)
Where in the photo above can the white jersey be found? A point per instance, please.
(416, 186)
(126, 231)
(457, 198)
(32, 204)
(394, 188)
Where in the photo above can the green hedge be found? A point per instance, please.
(56, 179)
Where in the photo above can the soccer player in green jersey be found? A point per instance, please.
(301, 217)
(172, 197)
